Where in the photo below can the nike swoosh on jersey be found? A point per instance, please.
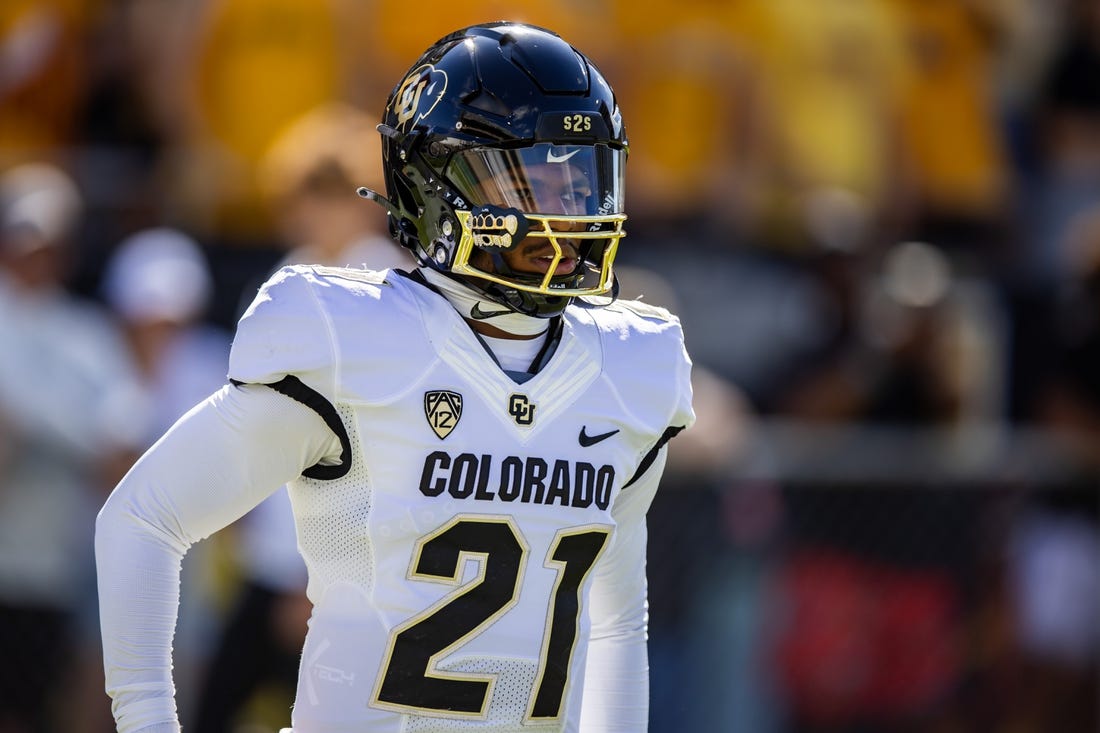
(586, 440)
(477, 314)
(551, 158)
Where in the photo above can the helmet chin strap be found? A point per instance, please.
(470, 303)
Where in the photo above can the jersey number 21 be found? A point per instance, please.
(410, 679)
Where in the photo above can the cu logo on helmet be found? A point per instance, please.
(419, 94)
(521, 409)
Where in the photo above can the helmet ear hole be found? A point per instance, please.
(404, 231)
(440, 255)
(446, 232)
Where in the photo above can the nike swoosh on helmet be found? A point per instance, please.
(551, 158)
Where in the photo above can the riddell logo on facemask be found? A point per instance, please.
(607, 207)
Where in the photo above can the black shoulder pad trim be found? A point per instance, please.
(647, 461)
(295, 389)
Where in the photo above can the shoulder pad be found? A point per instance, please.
(645, 310)
(284, 332)
(633, 333)
(371, 277)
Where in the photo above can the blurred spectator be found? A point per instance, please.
(133, 112)
(693, 67)
(868, 603)
(920, 347)
(953, 125)
(711, 537)
(833, 73)
(1070, 397)
(1053, 551)
(309, 178)
(41, 75)
(1070, 95)
(136, 75)
(707, 538)
(1062, 182)
(1066, 137)
(158, 282)
(254, 66)
(71, 422)
(1054, 600)
(808, 164)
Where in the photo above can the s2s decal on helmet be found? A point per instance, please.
(419, 94)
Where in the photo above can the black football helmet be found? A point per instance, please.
(501, 132)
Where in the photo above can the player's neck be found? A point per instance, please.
(485, 317)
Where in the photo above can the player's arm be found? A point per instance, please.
(616, 680)
(221, 459)
(616, 683)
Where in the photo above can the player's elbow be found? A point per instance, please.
(632, 622)
(110, 520)
(133, 512)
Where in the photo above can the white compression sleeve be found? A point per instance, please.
(221, 459)
(616, 679)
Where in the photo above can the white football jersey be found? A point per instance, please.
(451, 552)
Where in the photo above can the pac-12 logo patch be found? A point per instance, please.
(418, 95)
(443, 408)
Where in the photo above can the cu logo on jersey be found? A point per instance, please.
(521, 409)
(443, 408)
(419, 94)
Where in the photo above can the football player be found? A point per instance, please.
(470, 447)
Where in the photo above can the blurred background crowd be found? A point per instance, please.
(879, 221)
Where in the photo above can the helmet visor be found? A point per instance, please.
(546, 179)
